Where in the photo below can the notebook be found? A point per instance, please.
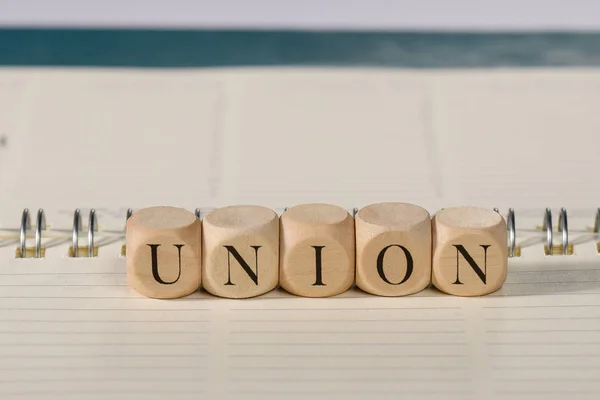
(114, 139)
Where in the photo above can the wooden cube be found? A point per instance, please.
(393, 249)
(317, 250)
(240, 251)
(163, 252)
(470, 253)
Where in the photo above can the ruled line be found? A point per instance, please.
(541, 318)
(105, 380)
(346, 309)
(49, 345)
(62, 273)
(546, 368)
(320, 332)
(96, 392)
(87, 356)
(497, 295)
(67, 285)
(539, 330)
(354, 392)
(586, 355)
(107, 309)
(99, 321)
(103, 367)
(348, 344)
(552, 282)
(349, 320)
(347, 355)
(542, 343)
(77, 297)
(96, 321)
(554, 391)
(351, 368)
(551, 379)
(101, 333)
(542, 306)
(553, 270)
(350, 379)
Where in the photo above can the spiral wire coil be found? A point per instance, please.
(92, 228)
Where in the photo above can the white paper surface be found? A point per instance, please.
(71, 328)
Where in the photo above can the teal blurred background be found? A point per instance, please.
(118, 47)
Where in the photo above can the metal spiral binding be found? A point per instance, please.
(564, 230)
(40, 225)
(124, 245)
(25, 226)
(38, 251)
(513, 249)
(92, 229)
(547, 226)
(76, 228)
(564, 248)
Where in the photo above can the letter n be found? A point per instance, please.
(460, 249)
(231, 251)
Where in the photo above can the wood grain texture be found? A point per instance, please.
(393, 249)
(317, 250)
(240, 251)
(163, 252)
(470, 254)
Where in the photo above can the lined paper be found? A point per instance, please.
(73, 329)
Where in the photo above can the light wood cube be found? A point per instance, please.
(470, 253)
(240, 251)
(393, 249)
(317, 250)
(163, 252)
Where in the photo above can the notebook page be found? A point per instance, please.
(522, 140)
(232, 133)
(109, 140)
(344, 137)
(73, 329)
(500, 138)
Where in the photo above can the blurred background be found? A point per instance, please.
(117, 104)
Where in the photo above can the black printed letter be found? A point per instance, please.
(154, 254)
(481, 274)
(232, 251)
(409, 264)
(319, 266)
